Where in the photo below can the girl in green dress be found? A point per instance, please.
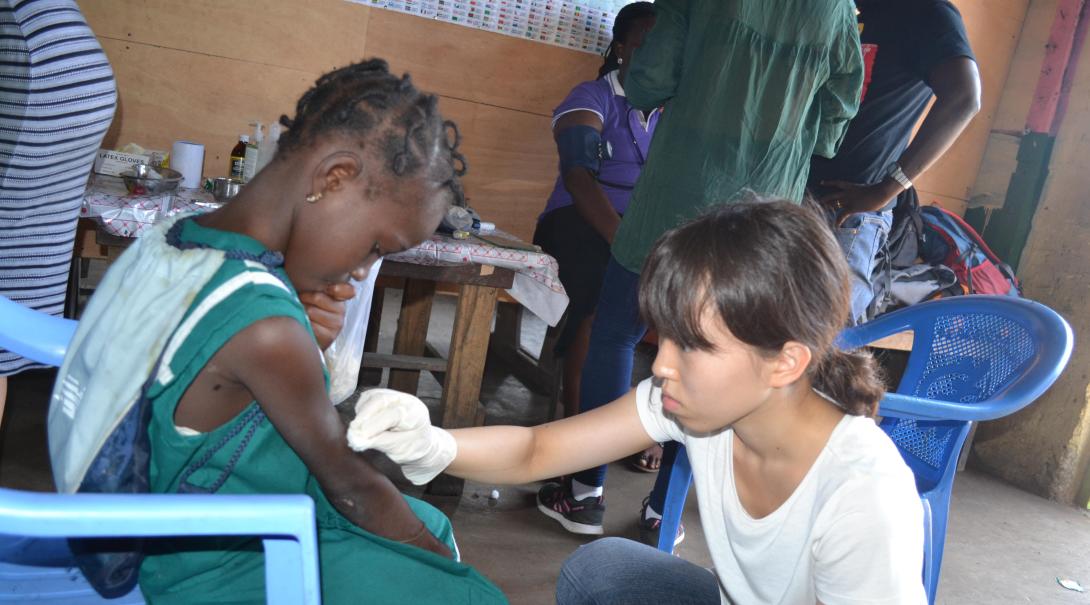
(367, 167)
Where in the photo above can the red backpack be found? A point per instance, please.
(947, 239)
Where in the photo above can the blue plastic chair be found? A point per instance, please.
(973, 358)
(681, 475)
(35, 561)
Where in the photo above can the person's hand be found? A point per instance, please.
(846, 199)
(326, 311)
(398, 425)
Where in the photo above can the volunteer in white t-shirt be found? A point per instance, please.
(803, 499)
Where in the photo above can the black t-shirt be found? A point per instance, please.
(903, 41)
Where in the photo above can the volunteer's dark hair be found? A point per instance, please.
(772, 273)
(387, 112)
(626, 19)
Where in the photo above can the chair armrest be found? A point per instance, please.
(48, 515)
(906, 406)
(34, 335)
(284, 523)
(1002, 403)
(884, 325)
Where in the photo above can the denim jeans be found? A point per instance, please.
(620, 571)
(607, 371)
(861, 237)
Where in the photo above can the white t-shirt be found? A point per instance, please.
(851, 533)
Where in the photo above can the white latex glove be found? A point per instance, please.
(397, 424)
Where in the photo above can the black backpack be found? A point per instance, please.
(901, 251)
(903, 243)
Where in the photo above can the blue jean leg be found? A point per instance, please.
(619, 571)
(861, 237)
(617, 329)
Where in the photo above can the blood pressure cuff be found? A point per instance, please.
(580, 146)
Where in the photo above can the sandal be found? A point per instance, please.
(647, 461)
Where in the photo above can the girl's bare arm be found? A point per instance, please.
(510, 454)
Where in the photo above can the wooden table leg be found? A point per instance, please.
(71, 293)
(508, 332)
(412, 330)
(461, 406)
(372, 376)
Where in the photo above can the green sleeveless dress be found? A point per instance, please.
(356, 566)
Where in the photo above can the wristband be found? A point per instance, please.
(896, 173)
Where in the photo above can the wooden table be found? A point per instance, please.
(461, 372)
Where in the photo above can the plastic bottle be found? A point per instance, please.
(266, 149)
(253, 152)
(238, 157)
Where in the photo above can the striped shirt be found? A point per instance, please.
(57, 99)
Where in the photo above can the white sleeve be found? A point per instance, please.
(872, 549)
(649, 405)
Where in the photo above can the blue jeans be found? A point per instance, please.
(616, 570)
(607, 371)
(861, 237)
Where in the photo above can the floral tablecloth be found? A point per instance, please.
(536, 284)
(126, 215)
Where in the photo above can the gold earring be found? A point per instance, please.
(313, 197)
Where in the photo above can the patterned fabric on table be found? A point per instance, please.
(57, 100)
(537, 281)
(125, 215)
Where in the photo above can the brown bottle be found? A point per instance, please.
(238, 157)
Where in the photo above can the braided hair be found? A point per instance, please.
(626, 19)
(365, 100)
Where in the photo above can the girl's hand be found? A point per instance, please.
(398, 425)
(326, 311)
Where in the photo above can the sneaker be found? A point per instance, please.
(577, 516)
(649, 529)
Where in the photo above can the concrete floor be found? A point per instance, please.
(1003, 545)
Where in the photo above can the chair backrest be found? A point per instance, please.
(984, 356)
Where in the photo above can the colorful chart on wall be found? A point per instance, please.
(579, 24)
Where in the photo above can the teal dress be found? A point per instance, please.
(752, 89)
(356, 566)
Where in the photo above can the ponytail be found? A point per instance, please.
(851, 379)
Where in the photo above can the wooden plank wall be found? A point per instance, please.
(994, 29)
(202, 70)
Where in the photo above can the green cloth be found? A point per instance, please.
(752, 89)
(356, 566)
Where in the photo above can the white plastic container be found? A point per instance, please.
(253, 153)
(188, 158)
(266, 149)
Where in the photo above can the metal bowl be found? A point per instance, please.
(142, 179)
(223, 189)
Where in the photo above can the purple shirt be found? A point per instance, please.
(624, 132)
